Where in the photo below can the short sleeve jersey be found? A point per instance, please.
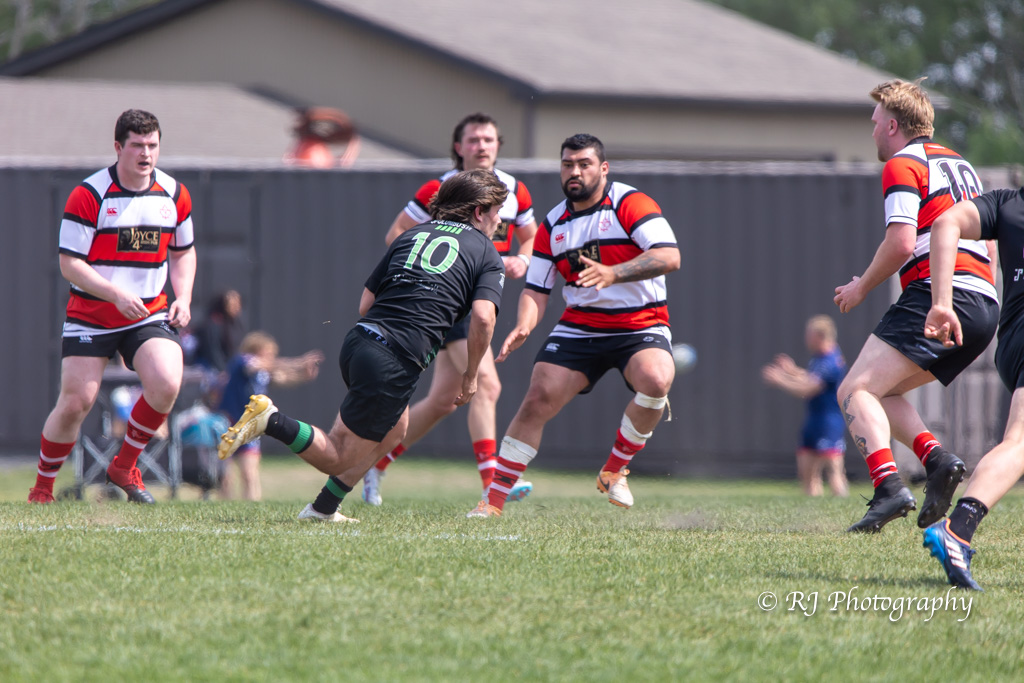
(920, 182)
(516, 212)
(1002, 219)
(125, 236)
(427, 281)
(623, 225)
(825, 428)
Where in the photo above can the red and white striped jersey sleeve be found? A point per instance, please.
(540, 276)
(524, 214)
(417, 208)
(183, 233)
(78, 227)
(641, 218)
(902, 180)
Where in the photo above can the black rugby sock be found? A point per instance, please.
(331, 495)
(966, 517)
(296, 435)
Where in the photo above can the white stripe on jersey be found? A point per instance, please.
(74, 329)
(601, 225)
(509, 210)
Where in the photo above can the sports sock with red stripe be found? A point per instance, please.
(51, 457)
(484, 450)
(383, 463)
(142, 425)
(882, 467)
(923, 445)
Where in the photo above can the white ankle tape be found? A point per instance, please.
(517, 451)
(645, 401)
(631, 433)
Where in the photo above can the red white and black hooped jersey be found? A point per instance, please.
(125, 236)
(920, 182)
(624, 224)
(516, 212)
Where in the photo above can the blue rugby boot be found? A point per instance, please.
(953, 553)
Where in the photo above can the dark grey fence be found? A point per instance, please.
(763, 247)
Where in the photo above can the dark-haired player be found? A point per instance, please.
(476, 142)
(431, 276)
(125, 229)
(612, 246)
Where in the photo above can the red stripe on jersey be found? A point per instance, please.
(542, 241)
(912, 172)
(83, 204)
(635, 320)
(426, 193)
(633, 208)
(611, 254)
(131, 245)
(183, 202)
(965, 263)
(105, 314)
(523, 199)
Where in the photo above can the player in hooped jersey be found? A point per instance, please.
(612, 246)
(433, 275)
(921, 180)
(996, 215)
(475, 144)
(125, 229)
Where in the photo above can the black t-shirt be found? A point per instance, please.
(427, 281)
(1002, 219)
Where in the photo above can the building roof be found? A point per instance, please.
(51, 118)
(668, 50)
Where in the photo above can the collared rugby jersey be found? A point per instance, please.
(516, 212)
(623, 225)
(920, 182)
(125, 236)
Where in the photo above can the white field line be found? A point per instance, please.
(308, 529)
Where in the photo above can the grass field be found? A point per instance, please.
(563, 587)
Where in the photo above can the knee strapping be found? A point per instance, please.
(653, 402)
(517, 451)
(631, 433)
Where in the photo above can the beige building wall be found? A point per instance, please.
(409, 98)
(298, 52)
(674, 131)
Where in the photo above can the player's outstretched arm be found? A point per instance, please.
(481, 329)
(84, 276)
(182, 274)
(531, 309)
(289, 372)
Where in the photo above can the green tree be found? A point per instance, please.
(971, 52)
(26, 25)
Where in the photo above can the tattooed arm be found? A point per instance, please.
(651, 263)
